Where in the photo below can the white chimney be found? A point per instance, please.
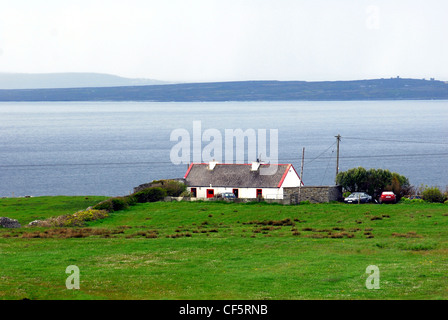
(255, 165)
(212, 164)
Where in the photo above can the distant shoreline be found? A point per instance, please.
(356, 90)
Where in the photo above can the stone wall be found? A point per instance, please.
(313, 194)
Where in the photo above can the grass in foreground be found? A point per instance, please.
(234, 251)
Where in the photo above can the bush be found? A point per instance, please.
(116, 204)
(119, 204)
(150, 195)
(433, 194)
(131, 200)
(405, 200)
(104, 205)
(186, 193)
(77, 219)
(411, 201)
(174, 188)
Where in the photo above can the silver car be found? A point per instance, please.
(358, 197)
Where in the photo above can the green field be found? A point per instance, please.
(206, 250)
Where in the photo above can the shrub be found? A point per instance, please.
(131, 200)
(106, 205)
(174, 188)
(405, 200)
(433, 194)
(119, 204)
(116, 204)
(186, 193)
(77, 219)
(152, 194)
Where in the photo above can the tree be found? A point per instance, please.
(372, 181)
(399, 185)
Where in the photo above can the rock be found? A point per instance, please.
(34, 223)
(9, 223)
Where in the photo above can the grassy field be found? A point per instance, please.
(205, 250)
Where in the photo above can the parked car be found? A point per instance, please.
(356, 197)
(227, 195)
(388, 197)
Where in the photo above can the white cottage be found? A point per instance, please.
(205, 180)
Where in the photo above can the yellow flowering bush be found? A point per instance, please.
(77, 219)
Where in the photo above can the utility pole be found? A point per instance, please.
(301, 168)
(301, 174)
(338, 139)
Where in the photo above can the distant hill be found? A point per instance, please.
(378, 89)
(67, 80)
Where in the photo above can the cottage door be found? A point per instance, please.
(210, 193)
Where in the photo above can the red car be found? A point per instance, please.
(388, 197)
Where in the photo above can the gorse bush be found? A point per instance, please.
(77, 219)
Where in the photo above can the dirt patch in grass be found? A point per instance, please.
(69, 233)
(410, 234)
(284, 222)
(150, 234)
(179, 235)
(330, 235)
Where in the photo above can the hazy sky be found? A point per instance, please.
(211, 40)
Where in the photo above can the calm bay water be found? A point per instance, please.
(107, 148)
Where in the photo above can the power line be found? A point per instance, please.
(400, 141)
(237, 161)
(325, 173)
(320, 154)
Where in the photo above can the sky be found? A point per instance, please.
(227, 40)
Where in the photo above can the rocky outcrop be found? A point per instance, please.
(9, 223)
(34, 223)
